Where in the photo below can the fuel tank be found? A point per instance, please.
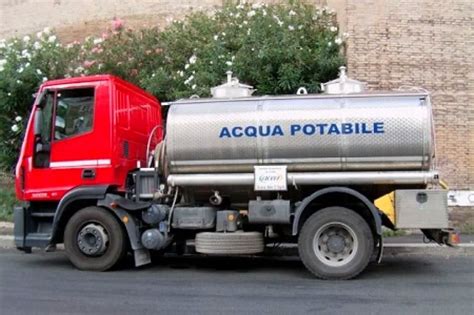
(308, 133)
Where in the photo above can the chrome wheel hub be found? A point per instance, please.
(335, 244)
(92, 240)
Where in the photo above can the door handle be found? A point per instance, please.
(88, 173)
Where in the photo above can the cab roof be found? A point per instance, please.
(95, 78)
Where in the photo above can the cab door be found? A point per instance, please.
(67, 152)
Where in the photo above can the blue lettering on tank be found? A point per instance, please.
(264, 132)
(225, 133)
(306, 129)
(237, 132)
(294, 128)
(251, 131)
(309, 129)
(378, 127)
(333, 130)
(277, 131)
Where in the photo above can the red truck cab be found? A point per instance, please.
(85, 131)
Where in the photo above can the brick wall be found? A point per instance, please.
(422, 43)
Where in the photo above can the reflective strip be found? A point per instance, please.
(80, 163)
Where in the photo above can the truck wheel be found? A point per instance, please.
(335, 243)
(94, 239)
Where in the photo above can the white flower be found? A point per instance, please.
(300, 27)
(264, 12)
(223, 33)
(26, 39)
(345, 35)
(38, 71)
(45, 79)
(193, 59)
(229, 63)
(3, 62)
(25, 54)
(251, 13)
(291, 27)
(292, 13)
(181, 73)
(211, 62)
(333, 29)
(39, 35)
(2, 44)
(216, 37)
(9, 94)
(338, 41)
(18, 81)
(37, 45)
(98, 41)
(193, 87)
(330, 44)
(15, 128)
(18, 118)
(47, 30)
(245, 22)
(248, 31)
(256, 6)
(52, 39)
(188, 80)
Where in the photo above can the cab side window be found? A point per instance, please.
(74, 112)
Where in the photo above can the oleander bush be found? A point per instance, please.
(276, 48)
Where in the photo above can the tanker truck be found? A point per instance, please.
(104, 173)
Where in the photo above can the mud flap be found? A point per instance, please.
(141, 255)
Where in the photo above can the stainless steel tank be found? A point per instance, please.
(308, 133)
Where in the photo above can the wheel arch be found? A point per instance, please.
(74, 200)
(363, 206)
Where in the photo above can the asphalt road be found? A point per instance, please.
(419, 282)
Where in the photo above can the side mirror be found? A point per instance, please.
(38, 121)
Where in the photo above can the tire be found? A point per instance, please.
(115, 249)
(236, 243)
(324, 234)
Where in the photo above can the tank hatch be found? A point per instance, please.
(343, 85)
(232, 88)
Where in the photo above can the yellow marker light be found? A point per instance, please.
(230, 217)
(125, 219)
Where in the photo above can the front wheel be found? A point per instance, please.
(94, 239)
(335, 243)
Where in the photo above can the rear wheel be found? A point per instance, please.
(94, 239)
(335, 243)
